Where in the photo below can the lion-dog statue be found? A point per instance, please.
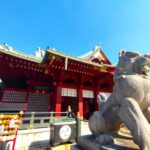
(128, 103)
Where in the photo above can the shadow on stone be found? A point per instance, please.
(121, 142)
(44, 145)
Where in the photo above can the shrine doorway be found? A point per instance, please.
(69, 101)
(88, 107)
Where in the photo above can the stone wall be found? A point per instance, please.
(29, 139)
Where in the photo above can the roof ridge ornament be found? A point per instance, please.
(97, 47)
(39, 52)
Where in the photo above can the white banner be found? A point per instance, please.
(87, 94)
(69, 92)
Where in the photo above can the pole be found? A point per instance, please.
(78, 125)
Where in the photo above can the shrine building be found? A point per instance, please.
(52, 81)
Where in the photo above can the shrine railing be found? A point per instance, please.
(32, 120)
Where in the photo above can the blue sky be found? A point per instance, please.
(75, 26)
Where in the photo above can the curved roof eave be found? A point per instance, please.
(20, 55)
(50, 51)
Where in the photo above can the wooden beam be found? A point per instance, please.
(66, 63)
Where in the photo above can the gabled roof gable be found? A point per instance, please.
(96, 55)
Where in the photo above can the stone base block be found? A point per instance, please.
(121, 142)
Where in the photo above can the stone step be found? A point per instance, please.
(66, 147)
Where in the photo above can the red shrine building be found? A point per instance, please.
(52, 81)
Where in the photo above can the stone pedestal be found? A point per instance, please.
(121, 142)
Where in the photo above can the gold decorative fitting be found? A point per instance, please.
(46, 71)
(103, 69)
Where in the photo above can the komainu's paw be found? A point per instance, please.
(104, 139)
(146, 146)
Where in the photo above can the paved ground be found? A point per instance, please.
(124, 143)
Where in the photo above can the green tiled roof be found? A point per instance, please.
(90, 53)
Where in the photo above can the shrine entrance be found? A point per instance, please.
(69, 98)
(88, 103)
(69, 101)
(88, 107)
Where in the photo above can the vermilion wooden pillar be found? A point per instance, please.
(58, 99)
(80, 102)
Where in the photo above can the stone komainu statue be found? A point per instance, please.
(129, 102)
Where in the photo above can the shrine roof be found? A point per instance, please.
(10, 51)
(90, 53)
(96, 53)
(5, 49)
(78, 59)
